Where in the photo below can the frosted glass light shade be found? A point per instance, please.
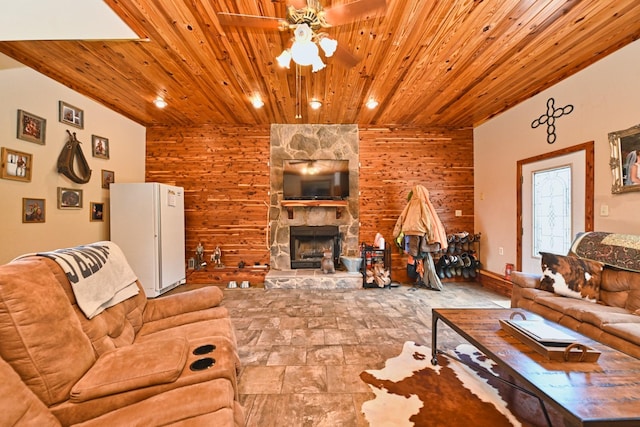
(304, 53)
(284, 60)
(329, 46)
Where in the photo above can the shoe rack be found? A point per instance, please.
(461, 260)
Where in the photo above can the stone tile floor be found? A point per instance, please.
(302, 351)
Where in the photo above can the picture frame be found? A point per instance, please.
(33, 210)
(625, 160)
(68, 114)
(16, 165)
(96, 212)
(108, 177)
(100, 147)
(31, 127)
(69, 198)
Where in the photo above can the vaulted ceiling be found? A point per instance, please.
(452, 63)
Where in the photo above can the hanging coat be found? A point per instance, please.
(419, 218)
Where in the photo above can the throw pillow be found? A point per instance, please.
(571, 276)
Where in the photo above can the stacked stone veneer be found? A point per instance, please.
(336, 142)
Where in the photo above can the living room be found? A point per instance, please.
(226, 170)
(237, 175)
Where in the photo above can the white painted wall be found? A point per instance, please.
(605, 99)
(24, 88)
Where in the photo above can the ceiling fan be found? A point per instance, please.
(307, 19)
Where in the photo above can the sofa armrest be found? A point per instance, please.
(172, 305)
(133, 367)
(525, 280)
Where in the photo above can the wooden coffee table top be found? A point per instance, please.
(603, 393)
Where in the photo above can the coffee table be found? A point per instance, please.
(602, 393)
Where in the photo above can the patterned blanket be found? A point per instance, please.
(615, 250)
(99, 274)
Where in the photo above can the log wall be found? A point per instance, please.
(225, 174)
(393, 160)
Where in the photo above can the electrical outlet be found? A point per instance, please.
(458, 212)
(501, 251)
(604, 210)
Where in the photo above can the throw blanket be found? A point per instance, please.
(99, 274)
(616, 250)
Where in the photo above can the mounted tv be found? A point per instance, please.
(315, 179)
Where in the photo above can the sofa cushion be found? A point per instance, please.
(209, 403)
(41, 336)
(18, 405)
(629, 332)
(187, 302)
(116, 326)
(562, 304)
(132, 367)
(570, 276)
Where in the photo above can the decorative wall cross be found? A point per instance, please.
(550, 118)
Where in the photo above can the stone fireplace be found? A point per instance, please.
(300, 142)
(309, 244)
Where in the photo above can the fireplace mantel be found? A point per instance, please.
(290, 204)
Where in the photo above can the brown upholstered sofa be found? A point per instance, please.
(614, 318)
(129, 365)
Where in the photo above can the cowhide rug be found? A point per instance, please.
(410, 391)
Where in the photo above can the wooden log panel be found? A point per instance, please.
(225, 173)
(222, 277)
(394, 160)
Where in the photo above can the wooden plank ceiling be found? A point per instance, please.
(450, 63)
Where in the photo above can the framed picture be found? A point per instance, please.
(16, 165)
(31, 127)
(100, 146)
(33, 210)
(625, 160)
(70, 115)
(69, 198)
(96, 213)
(107, 178)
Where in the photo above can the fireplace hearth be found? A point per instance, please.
(309, 244)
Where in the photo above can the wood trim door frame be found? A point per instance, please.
(588, 148)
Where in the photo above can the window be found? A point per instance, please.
(552, 228)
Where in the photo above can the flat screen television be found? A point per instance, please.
(315, 179)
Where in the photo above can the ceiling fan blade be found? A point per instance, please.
(298, 4)
(346, 57)
(345, 13)
(253, 21)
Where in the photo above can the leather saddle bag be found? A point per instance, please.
(67, 159)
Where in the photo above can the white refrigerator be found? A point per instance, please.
(147, 222)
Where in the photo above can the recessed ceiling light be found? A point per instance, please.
(372, 103)
(315, 104)
(257, 102)
(160, 102)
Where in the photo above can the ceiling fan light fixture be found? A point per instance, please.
(303, 33)
(160, 102)
(304, 53)
(317, 64)
(371, 104)
(328, 45)
(284, 60)
(315, 104)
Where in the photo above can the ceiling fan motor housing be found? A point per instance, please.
(312, 15)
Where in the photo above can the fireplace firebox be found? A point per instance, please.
(309, 243)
